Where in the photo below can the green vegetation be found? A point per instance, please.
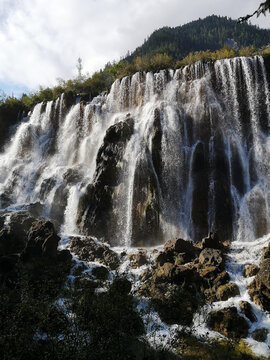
(193, 348)
(210, 33)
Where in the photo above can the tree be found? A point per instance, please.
(79, 68)
(262, 9)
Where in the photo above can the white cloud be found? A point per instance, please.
(41, 40)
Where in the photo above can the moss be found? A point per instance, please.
(193, 348)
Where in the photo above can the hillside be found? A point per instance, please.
(203, 34)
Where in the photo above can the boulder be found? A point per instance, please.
(263, 275)
(211, 280)
(178, 274)
(246, 309)
(139, 259)
(221, 279)
(64, 256)
(228, 323)
(13, 238)
(211, 241)
(121, 286)
(211, 257)
(90, 249)
(100, 272)
(225, 292)
(20, 223)
(177, 251)
(266, 253)
(164, 257)
(251, 270)
(42, 241)
(260, 335)
(182, 258)
(180, 246)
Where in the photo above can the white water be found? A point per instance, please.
(55, 140)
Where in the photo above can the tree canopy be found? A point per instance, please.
(262, 9)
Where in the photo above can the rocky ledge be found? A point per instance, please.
(27, 240)
(185, 276)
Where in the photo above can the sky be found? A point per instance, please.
(41, 40)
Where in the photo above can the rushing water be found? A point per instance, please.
(198, 159)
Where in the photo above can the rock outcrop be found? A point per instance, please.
(27, 240)
(259, 289)
(90, 249)
(95, 210)
(228, 323)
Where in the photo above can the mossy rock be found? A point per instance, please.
(225, 292)
(190, 347)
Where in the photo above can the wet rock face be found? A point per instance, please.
(42, 241)
(100, 272)
(211, 257)
(177, 250)
(183, 278)
(225, 292)
(26, 240)
(89, 249)
(260, 334)
(200, 172)
(259, 289)
(246, 309)
(173, 288)
(251, 270)
(138, 259)
(95, 211)
(212, 241)
(228, 323)
(13, 238)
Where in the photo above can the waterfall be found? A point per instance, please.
(175, 153)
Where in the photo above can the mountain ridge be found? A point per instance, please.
(209, 33)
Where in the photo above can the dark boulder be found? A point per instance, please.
(211, 241)
(228, 323)
(100, 272)
(266, 253)
(121, 285)
(89, 249)
(246, 309)
(177, 251)
(20, 223)
(165, 257)
(42, 241)
(251, 270)
(138, 259)
(225, 292)
(211, 279)
(211, 257)
(180, 246)
(259, 289)
(13, 238)
(260, 335)
(35, 209)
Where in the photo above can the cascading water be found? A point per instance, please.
(168, 154)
